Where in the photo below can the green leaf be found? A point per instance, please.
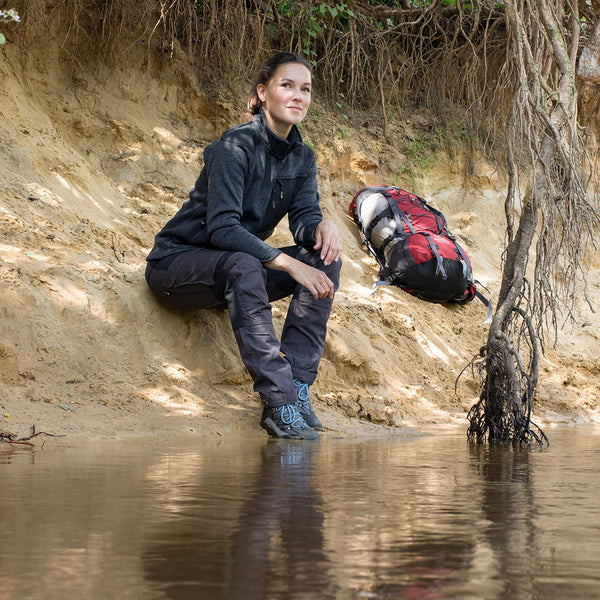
(2, 39)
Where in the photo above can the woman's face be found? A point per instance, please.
(286, 97)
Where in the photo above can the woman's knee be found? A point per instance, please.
(242, 273)
(335, 269)
(312, 257)
(332, 270)
(238, 264)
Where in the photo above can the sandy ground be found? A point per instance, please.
(94, 162)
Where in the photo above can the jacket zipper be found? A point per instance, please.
(280, 194)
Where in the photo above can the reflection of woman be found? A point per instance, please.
(213, 250)
(242, 529)
(278, 548)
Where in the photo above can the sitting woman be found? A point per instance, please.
(213, 251)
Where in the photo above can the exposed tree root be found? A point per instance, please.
(506, 370)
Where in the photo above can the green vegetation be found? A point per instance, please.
(422, 154)
(315, 20)
(7, 16)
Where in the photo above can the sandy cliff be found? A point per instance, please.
(94, 161)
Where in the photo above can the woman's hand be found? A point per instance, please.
(317, 283)
(329, 241)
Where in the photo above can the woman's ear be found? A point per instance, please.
(260, 91)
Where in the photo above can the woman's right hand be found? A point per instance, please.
(315, 281)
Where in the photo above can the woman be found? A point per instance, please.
(213, 251)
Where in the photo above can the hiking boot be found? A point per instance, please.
(304, 405)
(286, 422)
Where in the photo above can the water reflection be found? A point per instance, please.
(395, 518)
(509, 519)
(278, 549)
(271, 547)
(416, 518)
(541, 523)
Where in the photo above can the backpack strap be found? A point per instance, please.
(374, 221)
(365, 235)
(439, 217)
(443, 230)
(486, 301)
(402, 219)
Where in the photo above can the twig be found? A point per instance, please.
(11, 438)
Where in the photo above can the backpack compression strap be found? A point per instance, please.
(442, 230)
(402, 219)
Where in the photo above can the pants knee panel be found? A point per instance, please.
(240, 264)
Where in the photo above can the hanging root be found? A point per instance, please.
(506, 370)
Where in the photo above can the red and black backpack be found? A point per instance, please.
(413, 246)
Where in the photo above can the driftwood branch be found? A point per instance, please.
(11, 438)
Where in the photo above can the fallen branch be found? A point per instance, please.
(11, 438)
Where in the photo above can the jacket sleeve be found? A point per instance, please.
(305, 211)
(228, 168)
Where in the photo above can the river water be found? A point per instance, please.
(413, 516)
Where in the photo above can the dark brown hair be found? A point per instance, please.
(267, 71)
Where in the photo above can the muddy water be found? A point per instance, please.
(412, 517)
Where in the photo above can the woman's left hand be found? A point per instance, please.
(329, 241)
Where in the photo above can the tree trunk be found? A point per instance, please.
(544, 133)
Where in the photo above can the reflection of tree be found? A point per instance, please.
(508, 504)
(275, 551)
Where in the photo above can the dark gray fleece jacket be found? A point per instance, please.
(250, 180)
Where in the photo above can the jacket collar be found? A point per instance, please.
(279, 147)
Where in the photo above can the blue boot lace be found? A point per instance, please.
(289, 415)
(303, 393)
